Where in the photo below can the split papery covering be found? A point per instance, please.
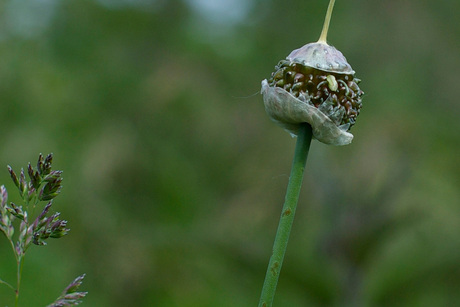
(289, 112)
(321, 56)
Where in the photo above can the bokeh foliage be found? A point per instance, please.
(174, 176)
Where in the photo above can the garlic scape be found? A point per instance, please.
(313, 93)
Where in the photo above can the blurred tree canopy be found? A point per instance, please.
(174, 176)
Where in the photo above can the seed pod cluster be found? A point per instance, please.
(314, 84)
(336, 95)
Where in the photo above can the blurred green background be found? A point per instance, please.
(174, 176)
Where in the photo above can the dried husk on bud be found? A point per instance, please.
(315, 84)
(289, 112)
(323, 57)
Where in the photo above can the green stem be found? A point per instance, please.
(20, 263)
(19, 273)
(327, 21)
(287, 215)
(7, 284)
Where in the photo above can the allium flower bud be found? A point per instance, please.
(315, 84)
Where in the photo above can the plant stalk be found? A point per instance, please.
(327, 21)
(7, 284)
(287, 215)
(20, 265)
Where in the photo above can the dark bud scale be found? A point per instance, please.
(336, 94)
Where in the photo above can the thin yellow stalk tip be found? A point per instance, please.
(327, 21)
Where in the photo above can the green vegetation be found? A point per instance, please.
(174, 174)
